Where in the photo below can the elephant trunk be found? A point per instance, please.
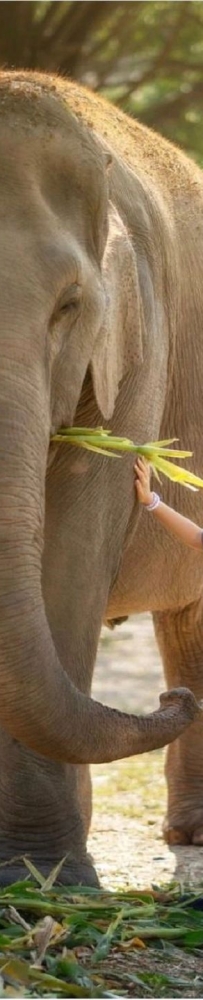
(39, 706)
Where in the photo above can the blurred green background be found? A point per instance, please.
(145, 56)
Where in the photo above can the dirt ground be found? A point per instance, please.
(130, 795)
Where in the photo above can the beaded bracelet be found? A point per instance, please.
(155, 502)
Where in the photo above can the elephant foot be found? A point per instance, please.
(72, 874)
(184, 833)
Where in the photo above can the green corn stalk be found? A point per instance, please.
(157, 453)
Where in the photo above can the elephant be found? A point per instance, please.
(101, 324)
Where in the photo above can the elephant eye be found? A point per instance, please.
(69, 301)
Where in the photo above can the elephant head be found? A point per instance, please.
(70, 300)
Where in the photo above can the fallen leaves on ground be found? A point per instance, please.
(76, 942)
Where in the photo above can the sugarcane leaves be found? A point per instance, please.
(157, 453)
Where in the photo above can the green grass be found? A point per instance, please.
(83, 943)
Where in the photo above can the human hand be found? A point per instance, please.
(142, 481)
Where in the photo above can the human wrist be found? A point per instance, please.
(154, 503)
(148, 499)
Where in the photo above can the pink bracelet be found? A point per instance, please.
(155, 502)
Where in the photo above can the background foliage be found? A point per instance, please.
(147, 56)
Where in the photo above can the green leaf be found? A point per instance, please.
(34, 871)
(194, 938)
(102, 949)
(69, 989)
(177, 474)
(161, 444)
(49, 882)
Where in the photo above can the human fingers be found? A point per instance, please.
(141, 464)
(142, 472)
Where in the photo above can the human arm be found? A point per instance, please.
(184, 529)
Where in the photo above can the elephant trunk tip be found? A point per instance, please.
(184, 700)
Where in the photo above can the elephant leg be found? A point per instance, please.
(180, 639)
(43, 815)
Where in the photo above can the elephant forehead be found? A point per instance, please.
(36, 111)
(60, 166)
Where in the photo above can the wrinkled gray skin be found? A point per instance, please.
(101, 320)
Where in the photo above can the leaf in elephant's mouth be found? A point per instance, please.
(157, 453)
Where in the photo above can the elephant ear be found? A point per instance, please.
(119, 345)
